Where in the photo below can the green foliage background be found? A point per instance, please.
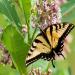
(12, 16)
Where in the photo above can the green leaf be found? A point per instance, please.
(26, 5)
(8, 8)
(68, 12)
(18, 50)
(7, 70)
(20, 3)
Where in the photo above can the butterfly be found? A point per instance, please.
(49, 42)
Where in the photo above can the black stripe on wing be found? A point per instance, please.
(60, 25)
(62, 38)
(45, 37)
(68, 30)
(51, 29)
(37, 41)
(46, 56)
(28, 62)
(33, 45)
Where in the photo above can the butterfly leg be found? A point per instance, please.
(53, 63)
(52, 58)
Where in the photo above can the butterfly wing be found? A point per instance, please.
(49, 41)
(63, 32)
(40, 45)
(58, 31)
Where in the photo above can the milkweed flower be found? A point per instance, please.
(5, 59)
(49, 13)
(39, 72)
(24, 28)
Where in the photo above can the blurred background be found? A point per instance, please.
(70, 17)
(63, 67)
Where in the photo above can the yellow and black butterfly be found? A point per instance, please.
(49, 42)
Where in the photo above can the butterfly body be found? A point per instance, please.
(49, 42)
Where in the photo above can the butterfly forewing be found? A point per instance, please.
(57, 32)
(54, 32)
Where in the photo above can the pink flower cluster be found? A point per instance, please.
(49, 12)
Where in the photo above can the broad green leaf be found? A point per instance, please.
(7, 70)
(14, 42)
(3, 21)
(8, 8)
(20, 4)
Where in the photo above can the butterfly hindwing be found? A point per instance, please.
(39, 46)
(48, 42)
